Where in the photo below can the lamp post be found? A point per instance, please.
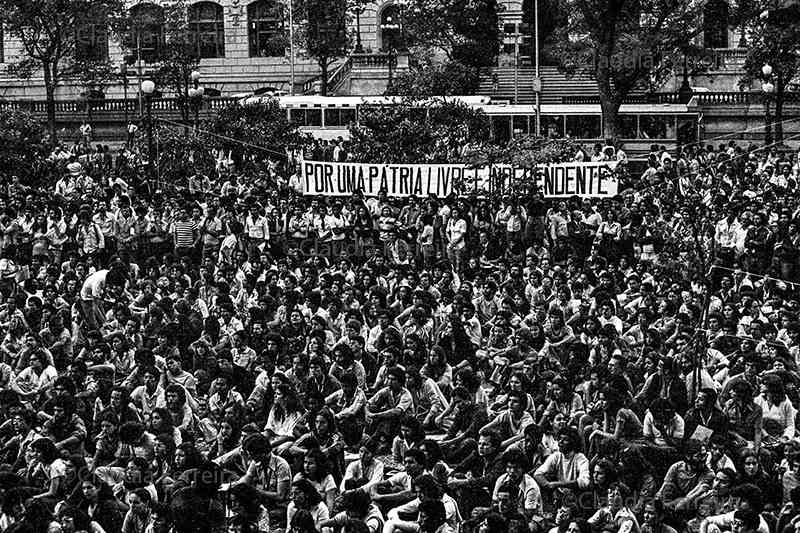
(291, 47)
(148, 87)
(123, 72)
(358, 9)
(767, 88)
(392, 64)
(537, 82)
(195, 94)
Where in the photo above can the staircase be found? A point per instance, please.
(555, 85)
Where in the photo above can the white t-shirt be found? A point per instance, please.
(94, 285)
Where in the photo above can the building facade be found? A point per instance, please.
(243, 45)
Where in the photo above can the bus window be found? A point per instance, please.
(628, 127)
(657, 126)
(583, 126)
(687, 130)
(314, 117)
(339, 118)
(297, 116)
(306, 117)
(347, 117)
(521, 125)
(501, 128)
(552, 126)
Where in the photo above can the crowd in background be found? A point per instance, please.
(223, 353)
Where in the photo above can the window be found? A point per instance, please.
(207, 29)
(583, 126)
(657, 126)
(391, 30)
(552, 127)
(520, 125)
(147, 32)
(91, 42)
(265, 29)
(306, 117)
(628, 127)
(339, 117)
(686, 131)
(2, 44)
(501, 128)
(715, 24)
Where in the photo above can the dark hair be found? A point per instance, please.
(494, 437)
(573, 436)
(47, 448)
(322, 464)
(522, 396)
(428, 485)
(303, 521)
(748, 517)
(312, 495)
(434, 510)
(750, 493)
(417, 455)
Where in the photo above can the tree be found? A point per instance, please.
(429, 79)
(416, 131)
(24, 150)
(774, 40)
(324, 30)
(259, 124)
(467, 31)
(626, 44)
(49, 32)
(175, 48)
(251, 132)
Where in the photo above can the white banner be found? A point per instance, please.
(560, 180)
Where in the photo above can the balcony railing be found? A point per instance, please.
(110, 106)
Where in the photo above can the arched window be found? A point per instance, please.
(265, 29)
(207, 29)
(91, 43)
(147, 32)
(391, 29)
(715, 24)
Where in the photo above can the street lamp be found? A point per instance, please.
(767, 87)
(358, 9)
(148, 87)
(196, 96)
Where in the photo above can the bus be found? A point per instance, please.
(642, 125)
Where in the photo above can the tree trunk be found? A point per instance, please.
(323, 77)
(610, 108)
(50, 91)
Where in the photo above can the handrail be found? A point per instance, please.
(336, 79)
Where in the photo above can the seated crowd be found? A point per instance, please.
(229, 355)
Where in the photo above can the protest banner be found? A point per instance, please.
(561, 180)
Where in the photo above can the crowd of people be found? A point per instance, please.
(224, 353)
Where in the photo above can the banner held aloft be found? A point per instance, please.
(558, 180)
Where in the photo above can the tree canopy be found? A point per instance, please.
(467, 31)
(416, 131)
(59, 38)
(626, 45)
(774, 40)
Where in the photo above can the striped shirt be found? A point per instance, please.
(184, 233)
